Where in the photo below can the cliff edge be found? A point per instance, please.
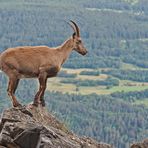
(143, 144)
(34, 127)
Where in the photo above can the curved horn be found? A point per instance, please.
(73, 27)
(77, 28)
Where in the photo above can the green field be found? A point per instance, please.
(54, 84)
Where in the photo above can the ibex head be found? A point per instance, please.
(77, 42)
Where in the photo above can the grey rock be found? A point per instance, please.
(35, 127)
(143, 144)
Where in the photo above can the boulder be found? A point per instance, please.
(35, 127)
(143, 144)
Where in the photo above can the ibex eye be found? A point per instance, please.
(79, 41)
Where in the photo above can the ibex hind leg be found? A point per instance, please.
(12, 85)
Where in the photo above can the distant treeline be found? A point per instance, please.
(134, 75)
(91, 73)
(107, 82)
(131, 96)
(64, 74)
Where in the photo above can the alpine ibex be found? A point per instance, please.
(40, 62)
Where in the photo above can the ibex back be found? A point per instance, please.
(40, 62)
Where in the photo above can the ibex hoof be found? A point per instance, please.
(35, 104)
(17, 105)
(43, 103)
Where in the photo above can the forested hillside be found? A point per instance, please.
(103, 94)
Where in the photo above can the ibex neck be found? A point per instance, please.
(65, 49)
(68, 44)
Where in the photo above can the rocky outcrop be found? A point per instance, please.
(143, 144)
(35, 127)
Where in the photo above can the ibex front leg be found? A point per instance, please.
(12, 85)
(39, 97)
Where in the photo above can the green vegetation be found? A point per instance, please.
(117, 120)
(108, 82)
(142, 102)
(100, 84)
(66, 75)
(105, 94)
(94, 73)
(134, 75)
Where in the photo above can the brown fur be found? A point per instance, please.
(40, 62)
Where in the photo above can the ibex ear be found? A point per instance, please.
(74, 35)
